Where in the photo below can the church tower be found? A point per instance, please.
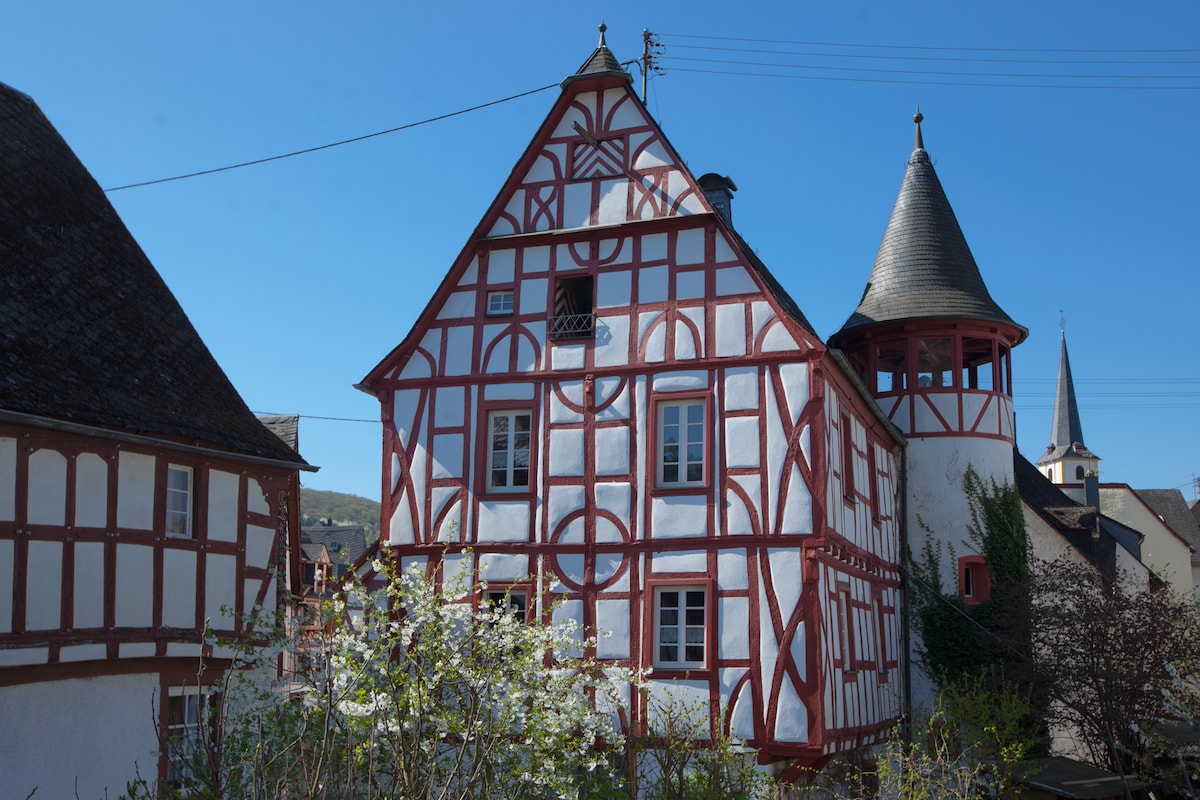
(933, 349)
(1066, 460)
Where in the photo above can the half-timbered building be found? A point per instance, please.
(141, 503)
(611, 399)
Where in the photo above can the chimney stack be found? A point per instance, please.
(719, 191)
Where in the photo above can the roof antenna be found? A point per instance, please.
(919, 144)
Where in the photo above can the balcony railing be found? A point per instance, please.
(573, 326)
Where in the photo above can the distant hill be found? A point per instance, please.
(341, 509)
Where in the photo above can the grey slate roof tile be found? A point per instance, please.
(89, 332)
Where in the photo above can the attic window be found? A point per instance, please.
(573, 310)
(500, 303)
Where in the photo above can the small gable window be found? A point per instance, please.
(179, 501)
(500, 303)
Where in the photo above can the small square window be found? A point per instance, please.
(500, 303)
(681, 427)
(179, 501)
(516, 600)
(509, 435)
(680, 627)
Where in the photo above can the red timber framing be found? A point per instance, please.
(98, 583)
(683, 316)
(939, 378)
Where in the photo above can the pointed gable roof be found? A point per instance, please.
(600, 62)
(90, 334)
(924, 268)
(1066, 430)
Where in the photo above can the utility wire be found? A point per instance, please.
(916, 47)
(318, 148)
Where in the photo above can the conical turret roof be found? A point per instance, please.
(600, 62)
(924, 268)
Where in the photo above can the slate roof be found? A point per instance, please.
(1066, 431)
(344, 543)
(1170, 506)
(924, 268)
(600, 62)
(89, 332)
(1074, 521)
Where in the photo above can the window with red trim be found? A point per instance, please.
(680, 429)
(974, 580)
(508, 450)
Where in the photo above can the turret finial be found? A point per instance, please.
(603, 28)
(919, 144)
(1062, 322)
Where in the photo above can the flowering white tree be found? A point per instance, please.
(425, 695)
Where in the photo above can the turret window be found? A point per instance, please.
(891, 365)
(935, 363)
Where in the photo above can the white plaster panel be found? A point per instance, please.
(739, 516)
(675, 694)
(741, 388)
(562, 501)
(459, 305)
(503, 567)
(681, 381)
(689, 285)
(577, 206)
(220, 587)
(645, 320)
(470, 275)
(527, 353)
(612, 341)
(83, 652)
(775, 452)
(733, 621)
(571, 567)
(136, 649)
(742, 447)
(786, 576)
(572, 391)
(21, 657)
(135, 585)
(654, 154)
(947, 406)
(257, 500)
(561, 413)
(89, 585)
(449, 406)
(689, 246)
(449, 525)
(260, 546)
(652, 283)
(404, 413)
(503, 522)
(459, 351)
(419, 365)
(614, 202)
(924, 418)
(689, 342)
(973, 404)
(544, 169)
(508, 391)
(795, 387)
(612, 451)
(573, 114)
(791, 715)
(732, 571)
(678, 561)
(535, 260)
(448, 455)
(797, 508)
(731, 330)
(564, 258)
(654, 247)
(135, 494)
(761, 313)
(47, 498)
(569, 611)
(614, 498)
(612, 623)
(250, 588)
(501, 266)
(8, 479)
(400, 528)
(799, 651)
(497, 356)
(614, 288)
(614, 252)
(778, 340)
(43, 589)
(91, 491)
(605, 389)
(735, 280)
(58, 748)
(679, 515)
(179, 588)
(625, 113)
(7, 577)
(568, 356)
(724, 250)
(183, 650)
(533, 295)
(566, 451)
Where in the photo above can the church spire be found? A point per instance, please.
(1066, 460)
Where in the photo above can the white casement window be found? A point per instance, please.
(179, 501)
(508, 450)
(500, 303)
(681, 443)
(516, 600)
(680, 627)
(187, 729)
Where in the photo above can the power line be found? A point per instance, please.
(918, 47)
(331, 145)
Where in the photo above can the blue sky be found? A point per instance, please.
(301, 274)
